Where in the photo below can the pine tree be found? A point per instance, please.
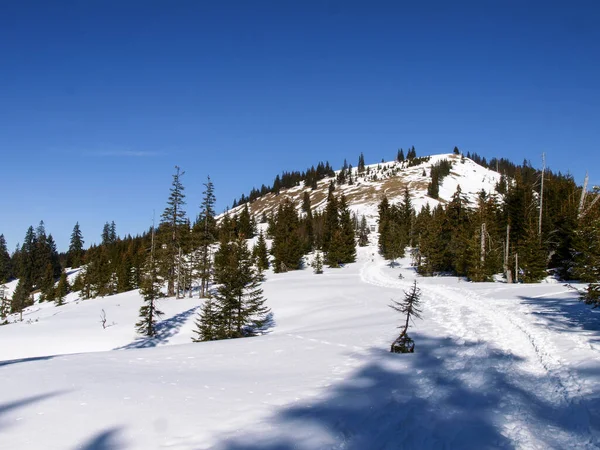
(287, 248)
(411, 307)
(75, 253)
(318, 263)
(210, 324)
(206, 231)
(348, 242)
(400, 156)
(361, 164)
(173, 217)
(150, 289)
(363, 233)
(62, 289)
(260, 253)
(308, 222)
(244, 224)
(5, 262)
(21, 297)
(239, 307)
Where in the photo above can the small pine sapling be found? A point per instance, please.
(62, 289)
(318, 263)
(409, 306)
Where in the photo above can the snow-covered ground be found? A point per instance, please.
(496, 366)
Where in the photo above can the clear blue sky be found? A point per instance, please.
(100, 99)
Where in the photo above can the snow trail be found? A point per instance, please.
(533, 363)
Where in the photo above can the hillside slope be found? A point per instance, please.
(389, 179)
(496, 366)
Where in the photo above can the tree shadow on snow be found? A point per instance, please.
(165, 330)
(566, 314)
(8, 362)
(446, 395)
(8, 407)
(105, 440)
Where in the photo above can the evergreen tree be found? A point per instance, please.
(75, 253)
(244, 224)
(173, 218)
(206, 231)
(150, 289)
(363, 233)
(287, 248)
(307, 222)
(318, 263)
(260, 253)
(410, 306)
(210, 323)
(239, 306)
(5, 262)
(62, 289)
(400, 156)
(21, 297)
(361, 164)
(348, 242)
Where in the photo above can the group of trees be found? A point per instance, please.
(294, 235)
(522, 234)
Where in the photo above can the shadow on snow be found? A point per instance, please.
(444, 396)
(105, 440)
(165, 330)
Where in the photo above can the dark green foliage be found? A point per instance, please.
(245, 227)
(363, 233)
(151, 291)
(21, 297)
(288, 180)
(400, 156)
(6, 270)
(318, 263)
(76, 252)
(205, 234)
(409, 306)
(361, 164)
(62, 289)
(439, 170)
(395, 227)
(260, 253)
(173, 221)
(237, 308)
(456, 151)
(288, 247)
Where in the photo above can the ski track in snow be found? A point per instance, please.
(468, 316)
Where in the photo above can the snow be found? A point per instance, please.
(496, 366)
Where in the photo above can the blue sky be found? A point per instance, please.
(99, 100)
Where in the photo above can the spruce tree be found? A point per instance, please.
(62, 289)
(75, 253)
(260, 253)
(318, 263)
(361, 163)
(21, 297)
(363, 233)
(205, 231)
(348, 242)
(173, 218)
(409, 306)
(287, 248)
(239, 307)
(150, 289)
(210, 323)
(5, 262)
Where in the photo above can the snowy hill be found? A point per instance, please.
(496, 366)
(390, 179)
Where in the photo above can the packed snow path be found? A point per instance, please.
(496, 366)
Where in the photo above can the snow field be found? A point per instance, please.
(496, 366)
